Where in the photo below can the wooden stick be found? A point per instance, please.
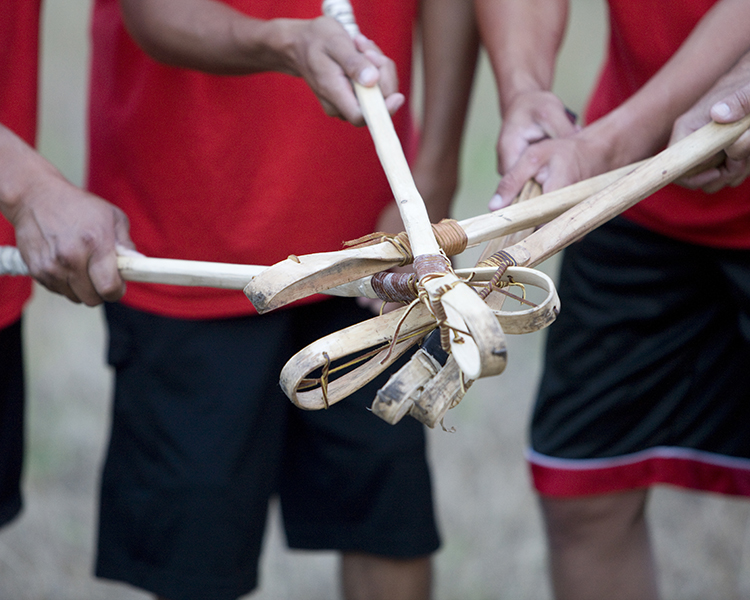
(304, 275)
(426, 388)
(410, 204)
(158, 270)
(531, 190)
(667, 166)
(480, 350)
(224, 275)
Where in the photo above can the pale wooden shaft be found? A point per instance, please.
(652, 175)
(388, 146)
(544, 208)
(530, 190)
(186, 272)
(308, 274)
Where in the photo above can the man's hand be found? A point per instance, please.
(67, 237)
(530, 118)
(726, 102)
(554, 163)
(327, 58)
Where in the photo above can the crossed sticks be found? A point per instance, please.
(388, 336)
(435, 384)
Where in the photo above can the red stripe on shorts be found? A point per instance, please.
(682, 467)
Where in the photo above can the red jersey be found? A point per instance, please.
(19, 58)
(643, 36)
(238, 169)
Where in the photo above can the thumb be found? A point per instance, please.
(511, 184)
(122, 230)
(733, 107)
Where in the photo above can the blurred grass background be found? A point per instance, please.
(493, 542)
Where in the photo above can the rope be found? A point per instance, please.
(449, 235)
(502, 260)
(400, 241)
(11, 262)
(395, 287)
(431, 265)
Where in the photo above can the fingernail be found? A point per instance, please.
(496, 202)
(722, 110)
(368, 75)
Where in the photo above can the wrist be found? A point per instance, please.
(516, 86)
(269, 45)
(622, 139)
(22, 170)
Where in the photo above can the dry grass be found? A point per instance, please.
(493, 544)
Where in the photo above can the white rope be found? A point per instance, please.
(341, 10)
(11, 262)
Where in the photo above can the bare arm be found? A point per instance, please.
(66, 236)
(210, 36)
(522, 40)
(641, 126)
(450, 46)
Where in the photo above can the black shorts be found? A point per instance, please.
(11, 421)
(647, 368)
(203, 436)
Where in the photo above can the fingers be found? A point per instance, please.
(371, 67)
(530, 118)
(103, 279)
(335, 60)
(103, 273)
(740, 150)
(733, 107)
(512, 183)
(394, 102)
(68, 239)
(558, 121)
(514, 140)
(553, 163)
(386, 74)
(698, 181)
(730, 174)
(122, 231)
(81, 276)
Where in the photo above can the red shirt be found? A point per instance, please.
(19, 53)
(242, 169)
(643, 36)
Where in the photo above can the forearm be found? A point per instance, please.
(522, 39)
(21, 167)
(450, 44)
(66, 236)
(210, 36)
(641, 126)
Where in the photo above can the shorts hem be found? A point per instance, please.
(176, 586)
(374, 545)
(682, 467)
(10, 510)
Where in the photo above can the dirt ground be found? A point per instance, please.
(493, 544)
